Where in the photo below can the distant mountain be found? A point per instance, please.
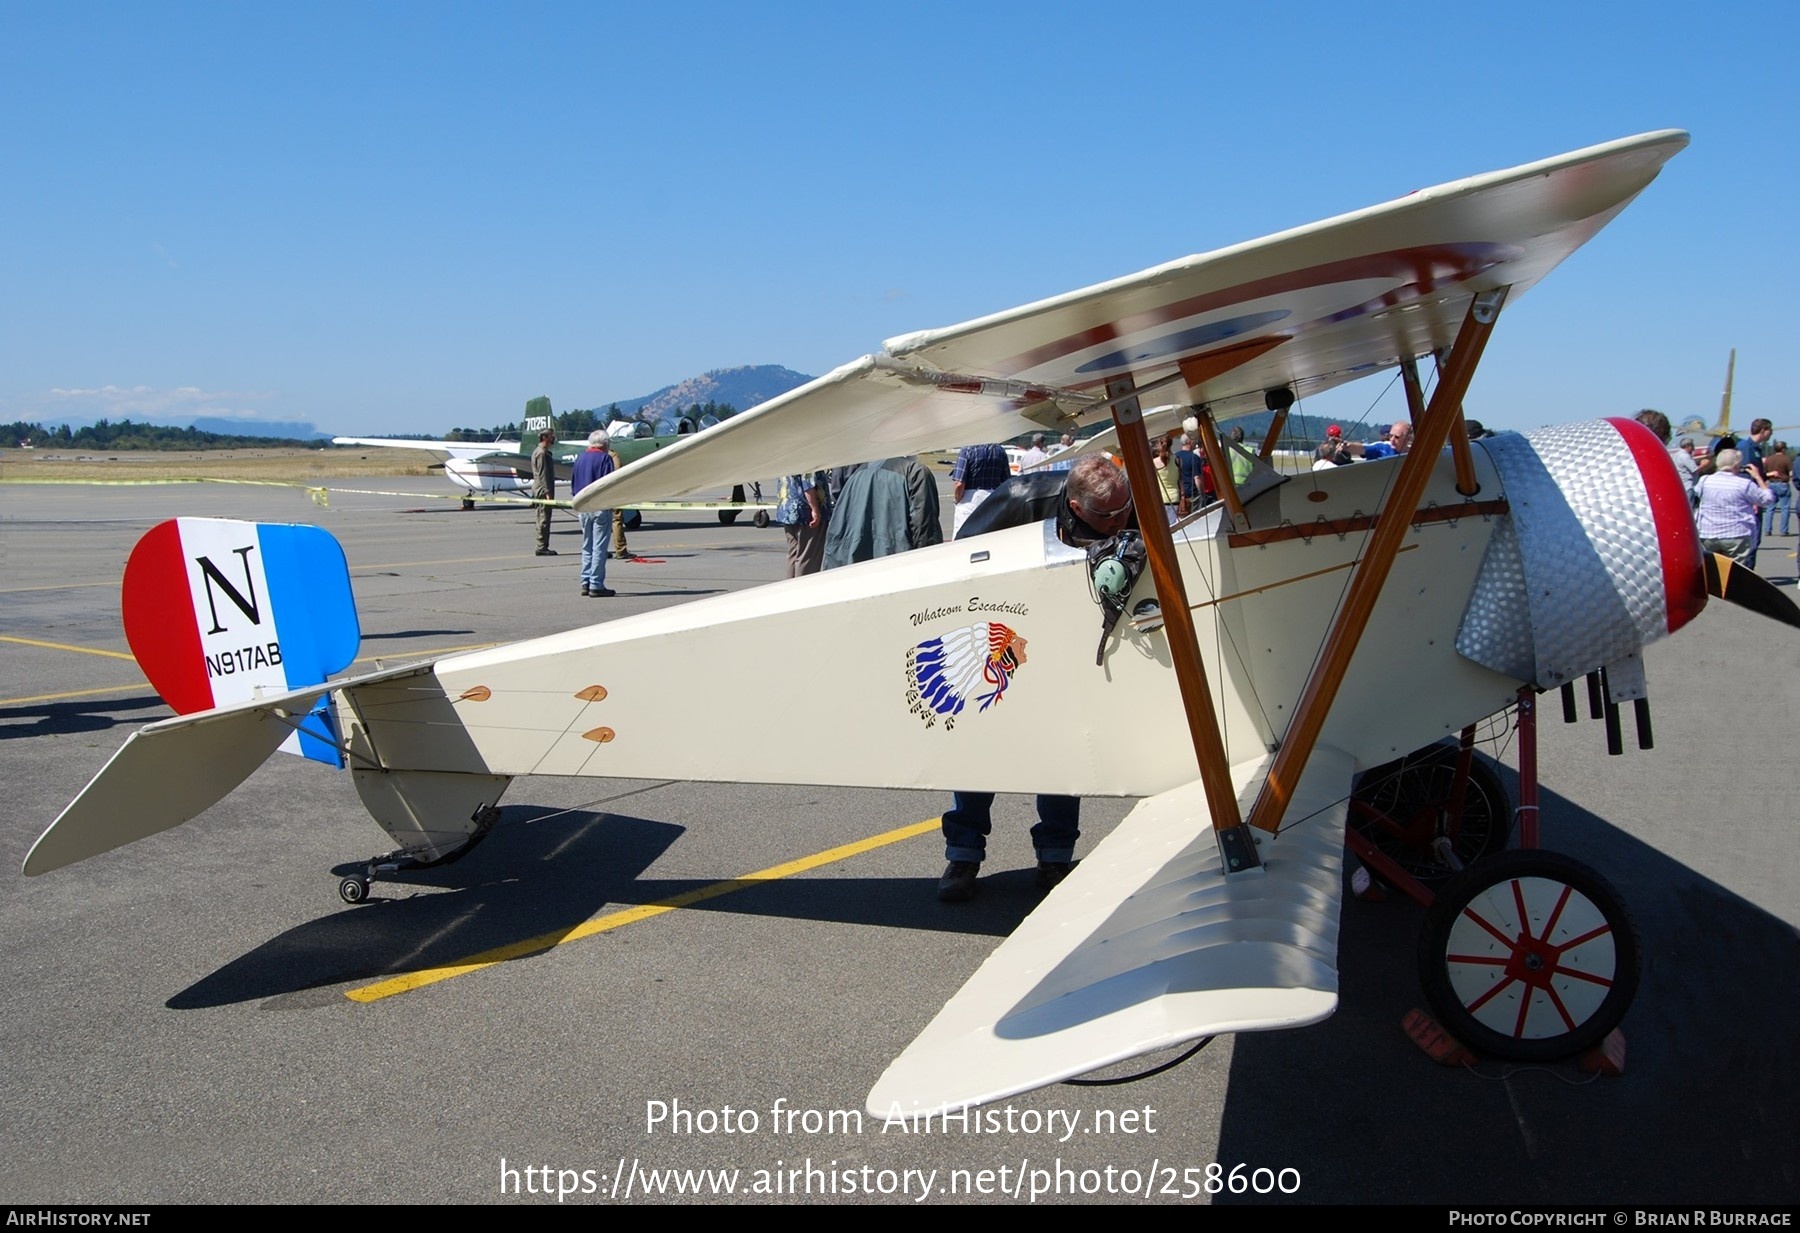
(301, 430)
(291, 430)
(743, 388)
(747, 386)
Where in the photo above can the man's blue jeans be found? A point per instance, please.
(968, 822)
(596, 528)
(1783, 494)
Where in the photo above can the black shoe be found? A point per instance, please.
(546, 552)
(958, 883)
(1050, 873)
(602, 593)
(585, 591)
(621, 556)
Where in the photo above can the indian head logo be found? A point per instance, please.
(972, 664)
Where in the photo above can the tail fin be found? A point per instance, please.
(220, 612)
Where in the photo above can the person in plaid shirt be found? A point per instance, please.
(978, 471)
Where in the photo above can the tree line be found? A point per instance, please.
(581, 423)
(126, 435)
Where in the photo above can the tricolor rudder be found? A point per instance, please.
(216, 611)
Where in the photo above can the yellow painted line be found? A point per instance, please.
(73, 693)
(361, 659)
(631, 916)
(63, 646)
(392, 656)
(57, 586)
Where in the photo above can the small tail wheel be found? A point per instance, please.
(354, 890)
(1406, 807)
(1529, 956)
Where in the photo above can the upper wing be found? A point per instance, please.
(1146, 945)
(449, 449)
(868, 409)
(1309, 309)
(1157, 420)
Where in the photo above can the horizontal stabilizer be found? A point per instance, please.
(1146, 945)
(173, 770)
(449, 449)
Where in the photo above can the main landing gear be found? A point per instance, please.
(1433, 812)
(1530, 956)
(1525, 955)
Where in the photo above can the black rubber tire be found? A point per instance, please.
(729, 516)
(354, 890)
(1553, 990)
(761, 519)
(633, 520)
(1410, 791)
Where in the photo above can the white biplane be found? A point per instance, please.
(1239, 698)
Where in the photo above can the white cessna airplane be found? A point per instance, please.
(503, 467)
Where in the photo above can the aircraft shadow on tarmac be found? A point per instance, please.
(1704, 1112)
(63, 718)
(540, 875)
(665, 592)
(535, 876)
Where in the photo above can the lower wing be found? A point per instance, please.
(448, 449)
(1146, 945)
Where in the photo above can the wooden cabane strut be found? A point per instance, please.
(1435, 424)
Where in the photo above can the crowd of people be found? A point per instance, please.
(1741, 492)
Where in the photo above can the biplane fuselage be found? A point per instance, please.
(593, 701)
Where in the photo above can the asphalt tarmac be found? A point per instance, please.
(197, 1017)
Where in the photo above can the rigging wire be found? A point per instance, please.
(1142, 1074)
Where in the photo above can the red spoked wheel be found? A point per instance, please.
(1405, 807)
(1530, 956)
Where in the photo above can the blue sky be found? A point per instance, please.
(412, 217)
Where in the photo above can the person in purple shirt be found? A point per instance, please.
(1730, 505)
(595, 462)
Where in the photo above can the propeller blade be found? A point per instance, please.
(1731, 582)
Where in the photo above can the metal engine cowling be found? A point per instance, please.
(1598, 558)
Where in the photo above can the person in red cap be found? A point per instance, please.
(1334, 432)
